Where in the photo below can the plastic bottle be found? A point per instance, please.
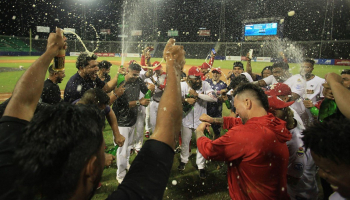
(328, 107)
(113, 150)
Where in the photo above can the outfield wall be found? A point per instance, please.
(325, 51)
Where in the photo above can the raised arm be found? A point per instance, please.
(169, 114)
(29, 87)
(341, 94)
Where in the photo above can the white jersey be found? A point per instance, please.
(159, 85)
(191, 119)
(297, 84)
(301, 165)
(314, 89)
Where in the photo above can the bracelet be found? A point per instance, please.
(115, 94)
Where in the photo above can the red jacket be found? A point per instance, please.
(256, 154)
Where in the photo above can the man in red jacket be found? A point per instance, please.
(254, 147)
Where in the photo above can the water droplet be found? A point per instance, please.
(79, 88)
(282, 188)
(174, 182)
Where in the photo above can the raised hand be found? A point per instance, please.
(56, 41)
(174, 54)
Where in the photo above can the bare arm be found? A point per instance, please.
(30, 86)
(341, 94)
(169, 114)
(295, 96)
(112, 120)
(250, 70)
(110, 85)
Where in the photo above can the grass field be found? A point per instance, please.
(9, 79)
(188, 186)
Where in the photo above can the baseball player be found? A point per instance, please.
(196, 93)
(214, 109)
(313, 87)
(159, 80)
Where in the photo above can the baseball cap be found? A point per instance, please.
(194, 71)
(238, 64)
(204, 66)
(279, 89)
(159, 66)
(218, 70)
(275, 103)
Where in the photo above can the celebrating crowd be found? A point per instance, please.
(275, 144)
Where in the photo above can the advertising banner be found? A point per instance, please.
(236, 58)
(74, 53)
(204, 32)
(342, 62)
(324, 61)
(173, 33)
(136, 32)
(105, 31)
(43, 29)
(262, 59)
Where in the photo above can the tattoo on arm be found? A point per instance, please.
(218, 120)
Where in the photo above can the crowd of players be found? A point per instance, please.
(274, 145)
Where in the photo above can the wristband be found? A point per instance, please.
(115, 94)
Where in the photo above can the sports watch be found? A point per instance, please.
(137, 102)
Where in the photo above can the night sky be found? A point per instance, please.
(17, 16)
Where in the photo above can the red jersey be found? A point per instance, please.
(256, 154)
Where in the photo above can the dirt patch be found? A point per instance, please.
(10, 69)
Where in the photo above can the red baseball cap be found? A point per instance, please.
(159, 66)
(276, 104)
(194, 71)
(279, 89)
(217, 70)
(204, 66)
(132, 61)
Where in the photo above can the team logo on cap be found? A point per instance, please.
(298, 166)
(300, 152)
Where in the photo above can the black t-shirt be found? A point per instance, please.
(127, 116)
(51, 93)
(11, 131)
(148, 174)
(77, 86)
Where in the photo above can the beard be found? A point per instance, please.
(195, 85)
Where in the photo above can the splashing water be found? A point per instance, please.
(81, 41)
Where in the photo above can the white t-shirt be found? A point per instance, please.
(297, 84)
(314, 89)
(191, 119)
